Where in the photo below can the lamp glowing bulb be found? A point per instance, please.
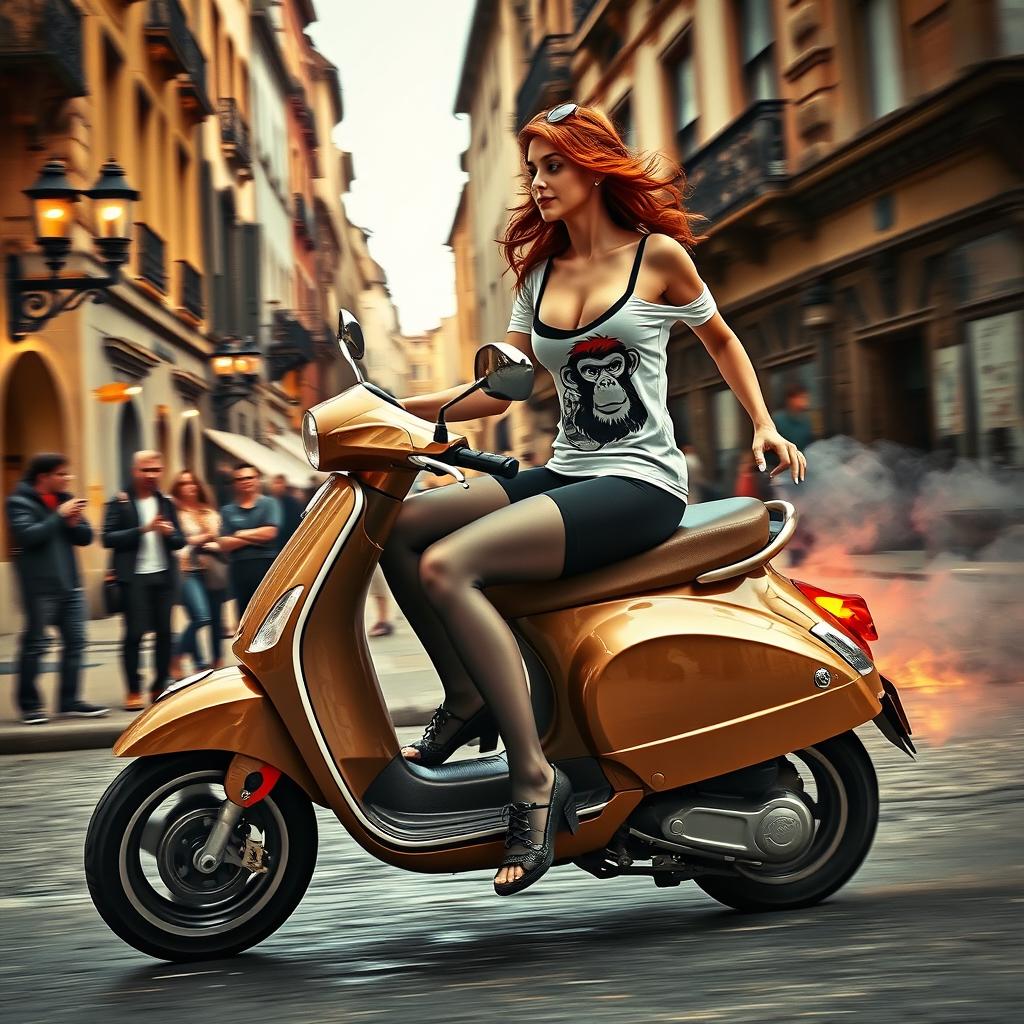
(189, 413)
(111, 212)
(54, 213)
(135, 389)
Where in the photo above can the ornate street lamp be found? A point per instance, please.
(32, 302)
(114, 199)
(236, 366)
(53, 207)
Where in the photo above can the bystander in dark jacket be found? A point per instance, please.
(251, 524)
(141, 527)
(46, 524)
(291, 509)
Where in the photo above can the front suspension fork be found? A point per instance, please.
(246, 782)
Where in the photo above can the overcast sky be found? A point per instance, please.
(399, 62)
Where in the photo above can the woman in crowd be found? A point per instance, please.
(203, 570)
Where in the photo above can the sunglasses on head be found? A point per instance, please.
(561, 112)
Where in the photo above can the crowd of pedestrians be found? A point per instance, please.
(165, 549)
(178, 548)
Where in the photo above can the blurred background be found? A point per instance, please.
(856, 161)
(225, 174)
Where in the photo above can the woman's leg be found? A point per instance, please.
(525, 541)
(425, 518)
(193, 597)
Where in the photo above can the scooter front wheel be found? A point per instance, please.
(141, 852)
(845, 809)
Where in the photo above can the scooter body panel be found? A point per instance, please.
(692, 682)
(665, 689)
(227, 710)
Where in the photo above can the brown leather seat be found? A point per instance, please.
(712, 534)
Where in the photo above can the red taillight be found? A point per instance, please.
(850, 611)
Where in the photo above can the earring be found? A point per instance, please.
(596, 183)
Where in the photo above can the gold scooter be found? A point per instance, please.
(701, 703)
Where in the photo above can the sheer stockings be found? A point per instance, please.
(424, 519)
(466, 638)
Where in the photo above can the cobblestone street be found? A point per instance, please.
(928, 930)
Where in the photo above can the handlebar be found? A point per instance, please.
(486, 462)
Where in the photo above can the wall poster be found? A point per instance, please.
(996, 344)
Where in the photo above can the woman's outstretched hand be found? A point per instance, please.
(768, 438)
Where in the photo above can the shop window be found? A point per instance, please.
(995, 349)
(881, 52)
(987, 267)
(948, 400)
(757, 48)
(679, 68)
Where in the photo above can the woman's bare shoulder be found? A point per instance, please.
(682, 283)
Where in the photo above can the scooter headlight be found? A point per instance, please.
(311, 440)
(273, 625)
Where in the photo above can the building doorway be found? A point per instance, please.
(33, 417)
(896, 391)
(130, 433)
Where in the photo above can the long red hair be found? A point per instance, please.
(639, 191)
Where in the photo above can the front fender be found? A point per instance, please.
(227, 710)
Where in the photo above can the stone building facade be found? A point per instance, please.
(857, 166)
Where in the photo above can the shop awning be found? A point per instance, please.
(291, 444)
(269, 461)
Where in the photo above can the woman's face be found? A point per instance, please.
(188, 488)
(558, 186)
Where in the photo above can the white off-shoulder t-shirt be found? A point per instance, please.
(612, 383)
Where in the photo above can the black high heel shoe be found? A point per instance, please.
(433, 753)
(536, 859)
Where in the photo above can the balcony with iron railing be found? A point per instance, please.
(234, 134)
(152, 258)
(190, 289)
(291, 344)
(174, 46)
(549, 80)
(743, 162)
(192, 87)
(167, 34)
(41, 39)
(302, 216)
(303, 113)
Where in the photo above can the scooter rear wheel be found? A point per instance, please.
(140, 859)
(847, 815)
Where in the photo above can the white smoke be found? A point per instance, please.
(950, 629)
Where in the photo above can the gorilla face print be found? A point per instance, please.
(601, 403)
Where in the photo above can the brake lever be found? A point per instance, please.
(425, 462)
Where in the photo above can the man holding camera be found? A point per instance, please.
(141, 526)
(47, 523)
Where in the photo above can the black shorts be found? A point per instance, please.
(607, 518)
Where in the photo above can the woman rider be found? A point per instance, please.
(599, 248)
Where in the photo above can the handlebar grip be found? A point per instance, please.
(486, 462)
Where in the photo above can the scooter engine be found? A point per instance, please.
(777, 828)
(755, 814)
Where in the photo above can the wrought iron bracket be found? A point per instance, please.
(33, 302)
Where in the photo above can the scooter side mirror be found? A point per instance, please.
(501, 371)
(505, 371)
(350, 334)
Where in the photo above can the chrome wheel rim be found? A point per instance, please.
(157, 870)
